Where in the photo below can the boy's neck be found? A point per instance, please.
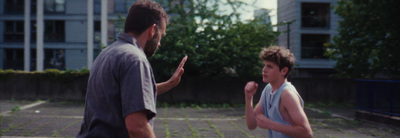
(275, 85)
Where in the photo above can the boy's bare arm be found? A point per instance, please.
(300, 126)
(251, 115)
(250, 89)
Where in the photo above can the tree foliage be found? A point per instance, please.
(368, 42)
(217, 44)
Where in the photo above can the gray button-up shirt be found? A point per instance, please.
(121, 82)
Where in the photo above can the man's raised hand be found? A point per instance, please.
(176, 77)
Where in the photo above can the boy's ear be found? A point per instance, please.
(284, 71)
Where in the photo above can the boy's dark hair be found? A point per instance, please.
(280, 56)
(143, 14)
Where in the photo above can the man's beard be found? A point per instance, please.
(151, 45)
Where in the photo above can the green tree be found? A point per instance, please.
(217, 44)
(368, 39)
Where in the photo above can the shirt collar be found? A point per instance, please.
(128, 38)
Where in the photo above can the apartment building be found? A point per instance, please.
(263, 12)
(62, 34)
(309, 25)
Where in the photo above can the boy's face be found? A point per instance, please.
(271, 72)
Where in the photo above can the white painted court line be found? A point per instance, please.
(199, 119)
(6, 113)
(333, 115)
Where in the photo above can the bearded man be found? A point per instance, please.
(121, 92)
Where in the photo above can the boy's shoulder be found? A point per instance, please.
(290, 96)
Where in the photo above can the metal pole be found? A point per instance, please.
(288, 35)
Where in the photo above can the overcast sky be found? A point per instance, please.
(267, 4)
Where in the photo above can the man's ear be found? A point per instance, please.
(152, 30)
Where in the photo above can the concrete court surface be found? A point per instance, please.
(63, 119)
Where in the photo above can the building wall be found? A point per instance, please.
(75, 7)
(334, 20)
(74, 58)
(76, 31)
(292, 10)
(263, 12)
(286, 13)
(75, 21)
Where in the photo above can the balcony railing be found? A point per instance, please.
(313, 52)
(315, 21)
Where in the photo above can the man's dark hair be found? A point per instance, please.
(143, 14)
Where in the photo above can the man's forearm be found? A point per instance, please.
(145, 132)
(164, 87)
(137, 125)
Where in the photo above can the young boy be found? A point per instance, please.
(280, 108)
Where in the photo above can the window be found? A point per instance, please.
(33, 7)
(54, 31)
(312, 46)
(14, 31)
(97, 6)
(122, 6)
(17, 7)
(54, 59)
(315, 15)
(14, 59)
(54, 6)
(33, 31)
(97, 31)
(14, 6)
(33, 59)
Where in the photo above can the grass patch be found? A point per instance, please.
(34, 130)
(13, 126)
(194, 132)
(220, 135)
(15, 109)
(174, 133)
(244, 132)
(167, 133)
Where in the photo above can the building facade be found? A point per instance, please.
(263, 12)
(64, 34)
(307, 26)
